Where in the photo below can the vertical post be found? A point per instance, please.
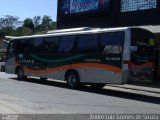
(159, 63)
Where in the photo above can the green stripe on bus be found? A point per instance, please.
(141, 56)
(58, 60)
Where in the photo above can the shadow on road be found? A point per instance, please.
(107, 92)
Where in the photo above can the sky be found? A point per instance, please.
(28, 8)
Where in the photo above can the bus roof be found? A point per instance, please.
(73, 31)
(70, 30)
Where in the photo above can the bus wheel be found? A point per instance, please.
(72, 79)
(20, 74)
(97, 85)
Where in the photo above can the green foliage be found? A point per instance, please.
(9, 21)
(53, 26)
(11, 25)
(28, 23)
(22, 31)
(37, 22)
(46, 23)
(8, 31)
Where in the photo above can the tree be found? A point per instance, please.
(22, 31)
(27, 31)
(8, 24)
(28, 23)
(46, 23)
(8, 31)
(9, 21)
(53, 26)
(37, 21)
(2, 35)
(11, 25)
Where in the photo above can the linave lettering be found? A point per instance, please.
(26, 61)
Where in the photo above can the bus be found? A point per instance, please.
(92, 56)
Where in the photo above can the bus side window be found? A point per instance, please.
(87, 44)
(111, 43)
(22, 46)
(36, 45)
(67, 44)
(51, 44)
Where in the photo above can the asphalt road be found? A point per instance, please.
(35, 96)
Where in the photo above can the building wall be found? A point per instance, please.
(114, 17)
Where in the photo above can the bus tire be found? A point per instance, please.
(97, 85)
(20, 74)
(72, 79)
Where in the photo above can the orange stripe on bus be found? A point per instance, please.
(142, 65)
(74, 66)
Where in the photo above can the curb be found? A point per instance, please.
(134, 91)
(140, 89)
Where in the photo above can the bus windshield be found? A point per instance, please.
(142, 56)
(143, 41)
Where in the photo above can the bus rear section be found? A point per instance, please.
(141, 66)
